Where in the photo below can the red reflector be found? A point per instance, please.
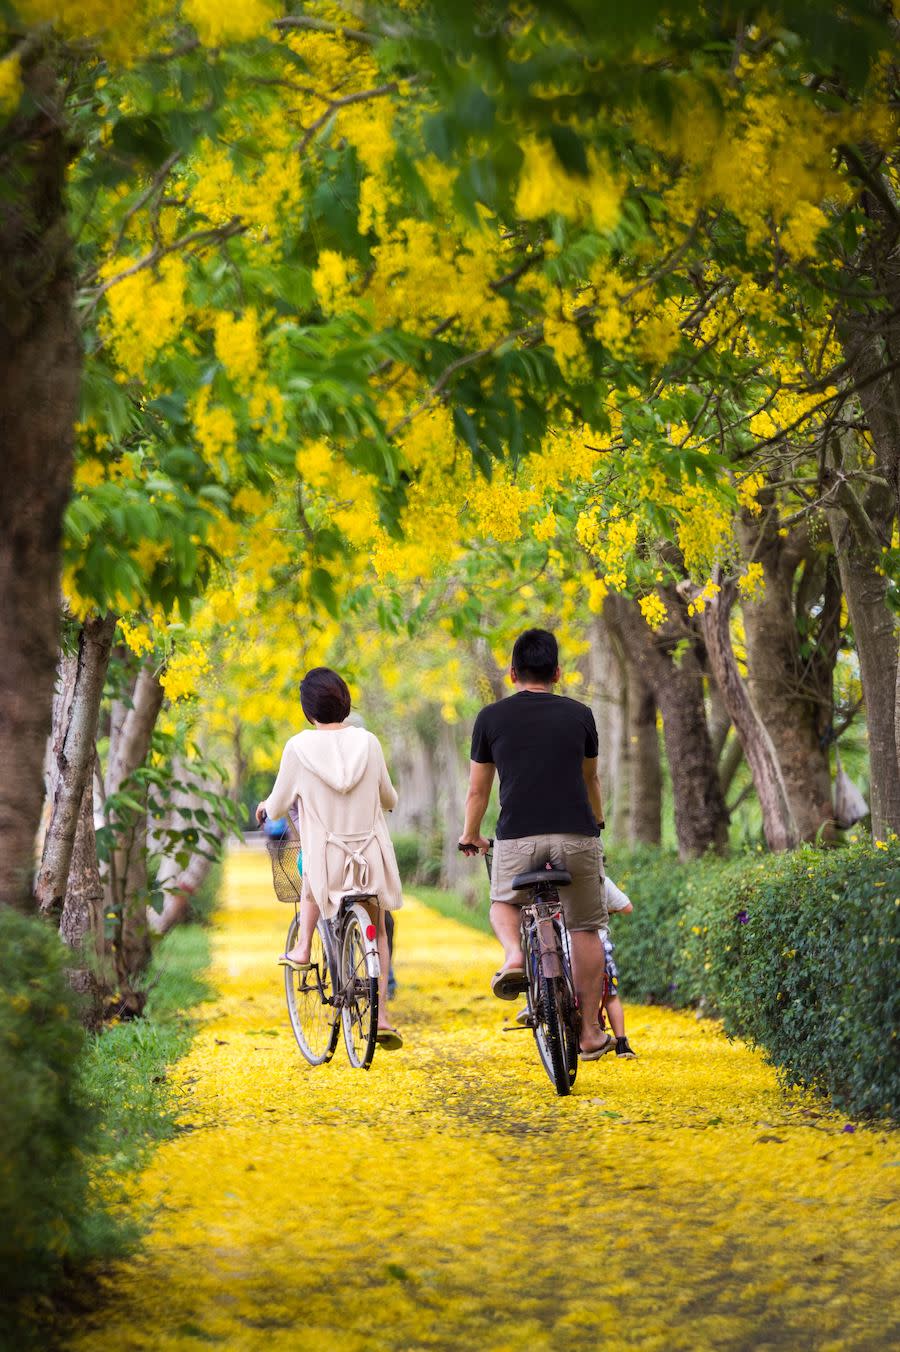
(371, 931)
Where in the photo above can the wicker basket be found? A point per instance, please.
(285, 857)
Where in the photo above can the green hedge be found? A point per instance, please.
(78, 1113)
(797, 953)
(419, 858)
(45, 1125)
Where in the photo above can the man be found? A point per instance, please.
(544, 747)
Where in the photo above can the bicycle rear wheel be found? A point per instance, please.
(310, 998)
(359, 1012)
(550, 1032)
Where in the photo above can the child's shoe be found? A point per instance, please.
(624, 1050)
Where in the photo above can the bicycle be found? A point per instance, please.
(550, 993)
(341, 983)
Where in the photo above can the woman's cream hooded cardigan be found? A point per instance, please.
(336, 786)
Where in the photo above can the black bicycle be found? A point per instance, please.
(340, 986)
(550, 993)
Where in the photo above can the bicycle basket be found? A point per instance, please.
(286, 879)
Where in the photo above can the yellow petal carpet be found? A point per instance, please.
(448, 1199)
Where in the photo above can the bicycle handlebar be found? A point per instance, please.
(470, 850)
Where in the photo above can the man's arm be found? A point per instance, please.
(591, 774)
(481, 777)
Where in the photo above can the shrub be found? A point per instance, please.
(419, 859)
(796, 952)
(44, 1124)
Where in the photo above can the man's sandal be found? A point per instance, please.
(608, 1046)
(389, 1039)
(509, 982)
(285, 961)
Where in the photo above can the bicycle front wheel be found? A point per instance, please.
(359, 1011)
(551, 1034)
(310, 998)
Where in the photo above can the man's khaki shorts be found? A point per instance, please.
(583, 901)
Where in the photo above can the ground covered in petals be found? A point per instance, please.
(448, 1199)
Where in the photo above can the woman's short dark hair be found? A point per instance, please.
(324, 696)
(535, 656)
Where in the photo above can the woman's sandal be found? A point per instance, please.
(608, 1046)
(389, 1039)
(285, 961)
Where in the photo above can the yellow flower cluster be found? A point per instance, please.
(184, 671)
(748, 492)
(145, 312)
(546, 187)
(331, 282)
(708, 592)
(705, 529)
(565, 341)
(545, 529)
(10, 84)
(653, 609)
(752, 582)
(437, 1244)
(218, 23)
(216, 431)
(138, 638)
(238, 346)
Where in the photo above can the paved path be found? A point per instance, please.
(447, 1199)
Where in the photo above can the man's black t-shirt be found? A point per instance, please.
(538, 742)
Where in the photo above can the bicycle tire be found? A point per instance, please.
(359, 1010)
(550, 1032)
(312, 1014)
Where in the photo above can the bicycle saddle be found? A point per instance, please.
(560, 877)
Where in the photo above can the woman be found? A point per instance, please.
(335, 784)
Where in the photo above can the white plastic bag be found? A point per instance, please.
(849, 805)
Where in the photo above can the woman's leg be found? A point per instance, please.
(309, 918)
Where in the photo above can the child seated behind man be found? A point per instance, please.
(616, 900)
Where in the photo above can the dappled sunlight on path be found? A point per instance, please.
(448, 1199)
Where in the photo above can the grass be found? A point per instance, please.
(455, 907)
(124, 1069)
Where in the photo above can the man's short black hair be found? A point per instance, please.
(324, 696)
(535, 656)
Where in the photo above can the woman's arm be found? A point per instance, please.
(284, 790)
(386, 791)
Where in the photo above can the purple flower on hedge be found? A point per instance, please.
(742, 917)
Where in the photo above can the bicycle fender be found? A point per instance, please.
(547, 949)
(367, 925)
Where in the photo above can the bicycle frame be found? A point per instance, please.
(350, 904)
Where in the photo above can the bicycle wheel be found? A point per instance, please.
(550, 1032)
(359, 1012)
(310, 998)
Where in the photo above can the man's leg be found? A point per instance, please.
(505, 922)
(588, 967)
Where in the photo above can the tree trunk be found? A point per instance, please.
(645, 771)
(179, 888)
(82, 925)
(40, 366)
(178, 883)
(778, 822)
(126, 881)
(858, 547)
(608, 692)
(701, 817)
(452, 780)
(76, 711)
(792, 693)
